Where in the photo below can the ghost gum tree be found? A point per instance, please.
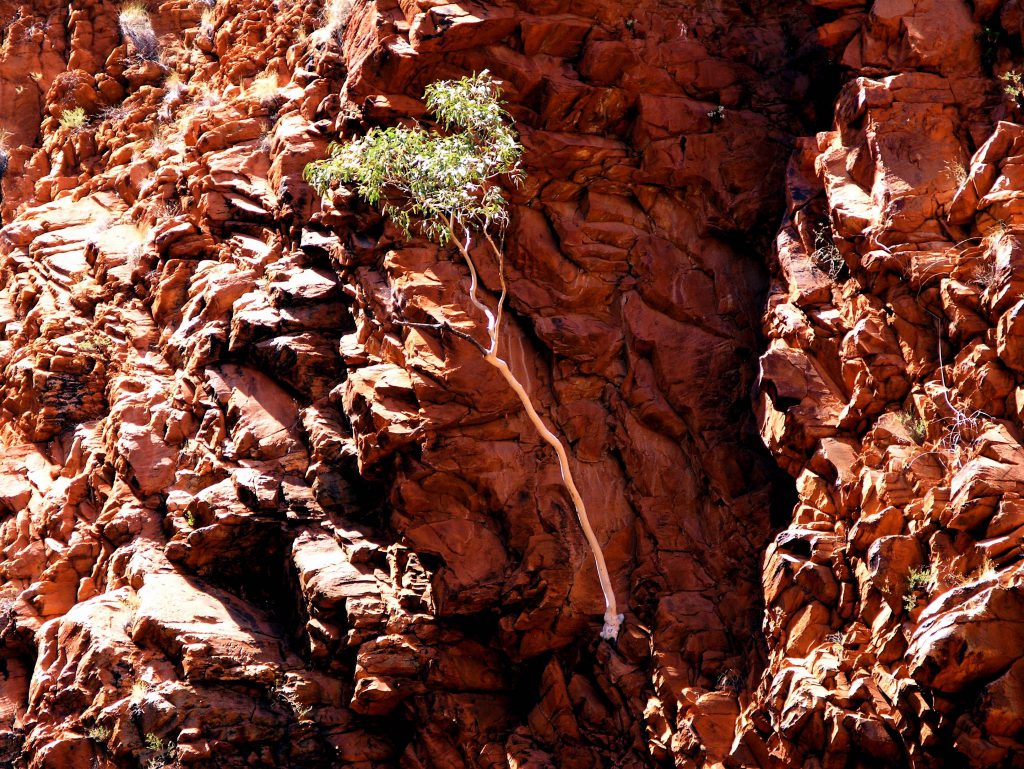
(446, 184)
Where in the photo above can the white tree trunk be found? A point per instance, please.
(612, 618)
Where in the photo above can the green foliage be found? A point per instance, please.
(99, 734)
(164, 751)
(1013, 86)
(989, 39)
(916, 426)
(190, 519)
(442, 180)
(917, 581)
(95, 344)
(72, 118)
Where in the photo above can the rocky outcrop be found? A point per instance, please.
(890, 392)
(259, 509)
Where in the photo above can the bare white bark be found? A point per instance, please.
(612, 618)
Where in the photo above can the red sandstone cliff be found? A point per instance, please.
(250, 517)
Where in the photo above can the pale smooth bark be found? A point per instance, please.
(612, 617)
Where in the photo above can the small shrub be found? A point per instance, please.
(729, 681)
(717, 115)
(95, 344)
(138, 29)
(266, 90)
(1013, 86)
(174, 92)
(99, 733)
(153, 742)
(957, 172)
(917, 581)
(164, 751)
(190, 519)
(207, 22)
(989, 38)
(139, 691)
(335, 19)
(446, 182)
(826, 255)
(73, 118)
(915, 425)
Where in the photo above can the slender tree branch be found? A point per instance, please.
(612, 618)
(500, 253)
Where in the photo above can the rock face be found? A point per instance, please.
(256, 512)
(892, 393)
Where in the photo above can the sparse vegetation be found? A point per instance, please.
(95, 344)
(164, 751)
(266, 90)
(1013, 86)
(207, 22)
(446, 184)
(73, 118)
(264, 87)
(114, 113)
(717, 115)
(137, 28)
(826, 255)
(335, 19)
(174, 92)
(961, 430)
(99, 733)
(190, 519)
(206, 95)
(266, 141)
(988, 38)
(957, 172)
(279, 692)
(986, 571)
(917, 426)
(729, 681)
(918, 581)
(139, 689)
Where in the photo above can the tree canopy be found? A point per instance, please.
(436, 180)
